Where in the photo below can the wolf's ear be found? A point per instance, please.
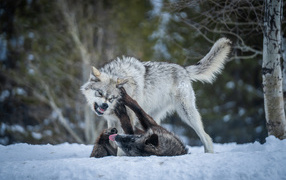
(94, 74)
(121, 82)
(153, 139)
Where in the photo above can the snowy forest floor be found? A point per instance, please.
(71, 161)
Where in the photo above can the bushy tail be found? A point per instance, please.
(207, 68)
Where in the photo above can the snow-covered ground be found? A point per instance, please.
(71, 161)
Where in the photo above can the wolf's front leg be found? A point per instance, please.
(145, 120)
(121, 113)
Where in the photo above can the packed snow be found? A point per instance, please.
(71, 161)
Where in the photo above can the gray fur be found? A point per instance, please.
(159, 87)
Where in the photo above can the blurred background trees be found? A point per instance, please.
(47, 48)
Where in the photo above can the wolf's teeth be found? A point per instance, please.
(100, 110)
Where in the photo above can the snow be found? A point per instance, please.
(71, 161)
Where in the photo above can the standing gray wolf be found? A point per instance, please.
(159, 87)
(153, 140)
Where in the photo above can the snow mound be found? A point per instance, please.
(71, 161)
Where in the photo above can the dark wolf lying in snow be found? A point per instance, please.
(153, 140)
(159, 87)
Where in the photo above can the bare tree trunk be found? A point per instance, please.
(63, 120)
(89, 116)
(83, 37)
(69, 17)
(284, 69)
(271, 69)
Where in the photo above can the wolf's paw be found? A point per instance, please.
(122, 92)
(120, 109)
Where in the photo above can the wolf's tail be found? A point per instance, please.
(207, 68)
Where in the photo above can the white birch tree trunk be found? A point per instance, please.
(271, 69)
(284, 69)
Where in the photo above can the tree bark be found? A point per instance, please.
(83, 37)
(271, 69)
(284, 68)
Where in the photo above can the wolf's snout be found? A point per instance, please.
(100, 109)
(113, 131)
(104, 106)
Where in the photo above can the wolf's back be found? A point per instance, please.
(207, 68)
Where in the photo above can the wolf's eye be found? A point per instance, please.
(98, 93)
(110, 100)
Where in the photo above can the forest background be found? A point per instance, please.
(47, 49)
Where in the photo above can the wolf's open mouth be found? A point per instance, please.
(112, 137)
(98, 109)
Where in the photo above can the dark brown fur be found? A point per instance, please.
(102, 146)
(153, 140)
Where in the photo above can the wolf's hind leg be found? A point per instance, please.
(193, 119)
(189, 114)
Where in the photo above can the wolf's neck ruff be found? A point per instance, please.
(156, 86)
